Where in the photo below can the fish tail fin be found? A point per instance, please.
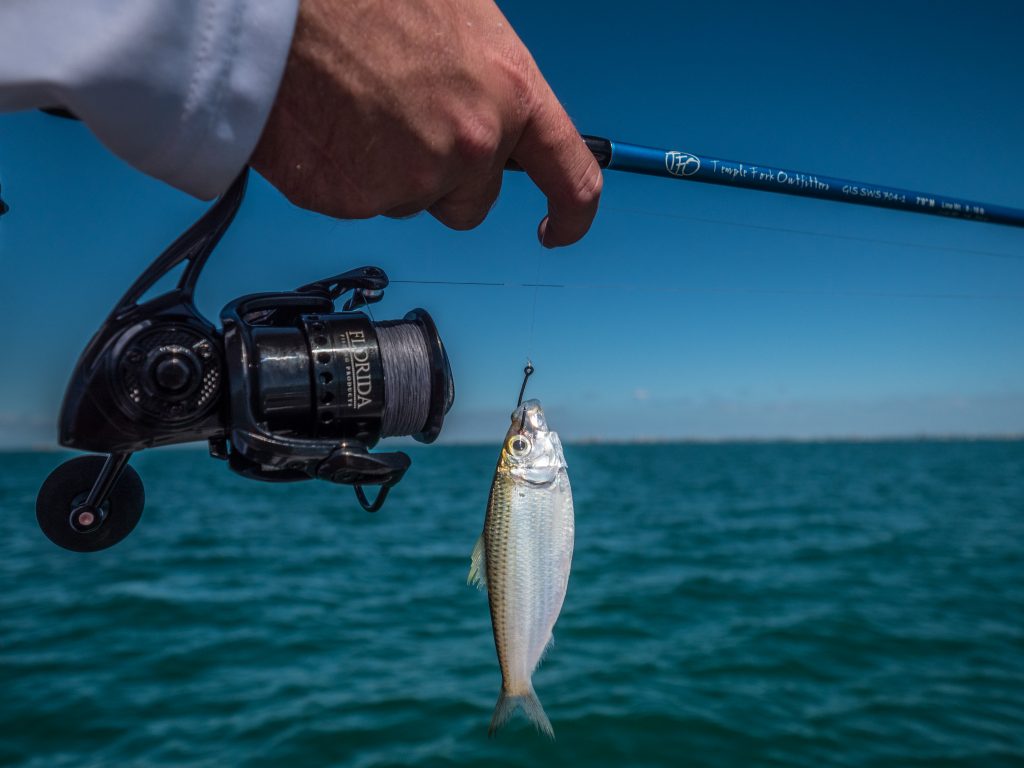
(530, 704)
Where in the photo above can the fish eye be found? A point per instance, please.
(519, 446)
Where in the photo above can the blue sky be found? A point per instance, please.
(692, 311)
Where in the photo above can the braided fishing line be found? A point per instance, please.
(533, 312)
(813, 233)
(405, 358)
(734, 290)
(662, 288)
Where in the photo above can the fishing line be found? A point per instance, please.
(405, 361)
(536, 285)
(481, 283)
(729, 290)
(813, 233)
(405, 358)
(533, 316)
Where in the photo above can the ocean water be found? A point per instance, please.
(729, 605)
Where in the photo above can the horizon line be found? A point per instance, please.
(1011, 437)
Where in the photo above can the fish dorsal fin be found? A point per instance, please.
(478, 566)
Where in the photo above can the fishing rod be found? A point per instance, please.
(291, 387)
(673, 164)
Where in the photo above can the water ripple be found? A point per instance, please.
(761, 605)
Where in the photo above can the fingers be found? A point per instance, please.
(468, 205)
(406, 211)
(551, 151)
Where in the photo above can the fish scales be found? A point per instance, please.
(524, 556)
(524, 538)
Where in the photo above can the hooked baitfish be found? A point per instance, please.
(523, 557)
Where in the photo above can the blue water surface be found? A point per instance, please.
(730, 605)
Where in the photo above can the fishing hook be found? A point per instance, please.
(527, 372)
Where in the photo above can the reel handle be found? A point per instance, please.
(352, 464)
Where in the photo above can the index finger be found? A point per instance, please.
(558, 161)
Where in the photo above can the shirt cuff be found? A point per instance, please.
(180, 90)
(233, 91)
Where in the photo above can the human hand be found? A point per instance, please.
(397, 107)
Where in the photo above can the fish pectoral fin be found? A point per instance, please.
(478, 566)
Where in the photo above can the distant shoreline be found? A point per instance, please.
(1012, 438)
(825, 440)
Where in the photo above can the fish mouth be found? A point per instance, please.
(530, 417)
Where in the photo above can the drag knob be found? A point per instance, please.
(172, 373)
(169, 374)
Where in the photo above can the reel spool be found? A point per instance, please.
(288, 389)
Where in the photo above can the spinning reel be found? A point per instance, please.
(288, 389)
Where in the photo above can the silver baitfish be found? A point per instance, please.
(523, 557)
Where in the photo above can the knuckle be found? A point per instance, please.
(462, 217)
(585, 189)
(477, 139)
(420, 184)
(521, 74)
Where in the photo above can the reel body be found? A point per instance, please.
(288, 389)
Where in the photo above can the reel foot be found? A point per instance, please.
(69, 522)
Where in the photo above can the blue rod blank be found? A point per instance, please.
(619, 156)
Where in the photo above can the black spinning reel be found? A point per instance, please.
(289, 389)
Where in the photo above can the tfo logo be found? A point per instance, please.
(681, 163)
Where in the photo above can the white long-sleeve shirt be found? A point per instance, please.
(180, 89)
